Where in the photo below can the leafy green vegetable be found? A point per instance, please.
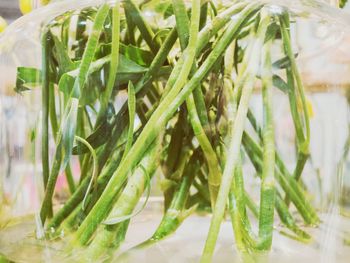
(129, 93)
(127, 70)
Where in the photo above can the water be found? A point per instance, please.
(330, 242)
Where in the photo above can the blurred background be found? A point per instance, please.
(9, 10)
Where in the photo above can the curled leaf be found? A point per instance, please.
(94, 169)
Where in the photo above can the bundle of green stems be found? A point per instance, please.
(186, 83)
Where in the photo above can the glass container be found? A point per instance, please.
(181, 131)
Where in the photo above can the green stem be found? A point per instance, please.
(46, 41)
(54, 127)
(202, 190)
(156, 123)
(53, 114)
(70, 178)
(204, 15)
(208, 32)
(145, 30)
(303, 140)
(122, 115)
(204, 37)
(234, 144)
(288, 220)
(287, 182)
(131, 109)
(244, 236)
(65, 136)
(282, 209)
(214, 177)
(113, 64)
(70, 205)
(125, 204)
(267, 198)
(79, 35)
(93, 180)
(176, 212)
(175, 176)
(182, 25)
(251, 205)
(47, 202)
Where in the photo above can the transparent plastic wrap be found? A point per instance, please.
(181, 131)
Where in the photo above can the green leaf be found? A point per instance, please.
(161, 34)
(130, 32)
(92, 89)
(342, 3)
(127, 70)
(27, 78)
(101, 135)
(159, 6)
(62, 57)
(145, 29)
(127, 66)
(213, 8)
(169, 11)
(271, 32)
(111, 71)
(94, 169)
(66, 83)
(68, 127)
(32, 135)
(166, 184)
(279, 83)
(96, 139)
(4, 259)
(132, 111)
(69, 121)
(90, 49)
(283, 63)
(140, 56)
